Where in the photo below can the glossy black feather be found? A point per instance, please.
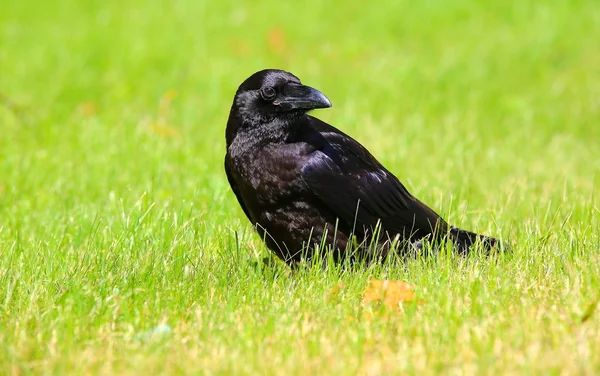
(352, 183)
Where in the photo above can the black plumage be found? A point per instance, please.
(302, 182)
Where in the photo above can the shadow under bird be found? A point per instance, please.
(304, 183)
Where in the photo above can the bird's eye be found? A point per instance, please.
(268, 93)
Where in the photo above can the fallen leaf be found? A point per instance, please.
(390, 293)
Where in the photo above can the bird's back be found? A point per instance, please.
(365, 178)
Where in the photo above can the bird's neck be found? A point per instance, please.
(251, 138)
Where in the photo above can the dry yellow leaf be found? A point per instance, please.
(389, 293)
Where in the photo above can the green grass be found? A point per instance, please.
(116, 215)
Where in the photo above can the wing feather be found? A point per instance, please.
(359, 190)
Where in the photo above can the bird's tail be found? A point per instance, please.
(463, 240)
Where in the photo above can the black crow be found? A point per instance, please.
(305, 184)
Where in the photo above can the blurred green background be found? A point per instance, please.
(112, 120)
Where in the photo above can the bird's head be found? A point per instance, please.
(272, 96)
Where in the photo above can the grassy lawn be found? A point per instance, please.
(116, 216)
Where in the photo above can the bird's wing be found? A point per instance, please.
(235, 188)
(348, 179)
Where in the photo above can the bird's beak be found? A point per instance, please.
(301, 97)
